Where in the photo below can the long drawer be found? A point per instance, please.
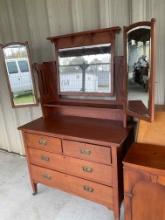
(87, 151)
(92, 191)
(89, 170)
(44, 142)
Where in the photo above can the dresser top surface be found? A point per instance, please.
(146, 155)
(100, 131)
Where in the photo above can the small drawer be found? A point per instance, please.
(49, 177)
(89, 170)
(87, 151)
(43, 142)
(46, 159)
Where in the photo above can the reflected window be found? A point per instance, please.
(19, 74)
(85, 69)
(23, 66)
(12, 67)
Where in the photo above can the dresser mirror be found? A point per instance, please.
(85, 64)
(19, 74)
(85, 69)
(140, 69)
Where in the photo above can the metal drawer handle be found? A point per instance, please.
(46, 176)
(45, 158)
(87, 169)
(85, 151)
(42, 141)
(88, 188)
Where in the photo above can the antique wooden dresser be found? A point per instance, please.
(79, 143)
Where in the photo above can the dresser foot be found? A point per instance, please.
(34, 188)
(117, 215)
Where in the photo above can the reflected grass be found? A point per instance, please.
(23, 99)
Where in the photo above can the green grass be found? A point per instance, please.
(24, 99)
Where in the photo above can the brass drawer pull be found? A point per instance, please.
(45, 158)
(88, 188)
(42, 142)
(87, 169)
(46, 176)
(85, 151)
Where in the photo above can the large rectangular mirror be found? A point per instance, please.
(140, 67)
(86, 69)
(19, 74)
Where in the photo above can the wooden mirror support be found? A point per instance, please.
(83, 104)
(140, 70)
(17, 62)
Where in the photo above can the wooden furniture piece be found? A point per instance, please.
(78, 155)
(140, 68)
(144, 182)
(144, 171)
(79, 143)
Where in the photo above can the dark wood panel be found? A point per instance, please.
(84, 33)
(47, 81)
(90, 112)
(43, 142)
(104, 132)
(87, 151)
(87, 189)
(146, 155)
(69, 165)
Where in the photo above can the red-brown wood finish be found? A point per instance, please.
(85, 137)
(88, 170)
(92, 160)
(88, 130)
(78, 186)
(85, 151)
(44, 143)
(144, 182)
(106, 35)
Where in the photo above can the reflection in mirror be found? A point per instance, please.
(19, 74)
(85, 69)
(138, 61)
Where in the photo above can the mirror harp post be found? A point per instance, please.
(153, 69)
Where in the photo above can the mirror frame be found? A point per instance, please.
(96, 94)
(3, 46)
(87, 38)
(151, 85)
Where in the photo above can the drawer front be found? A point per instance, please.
(49, 177)
(43, 142)
(87, 151)
(84, 169)
(92, 191)
(89, 170)
(46, 159)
